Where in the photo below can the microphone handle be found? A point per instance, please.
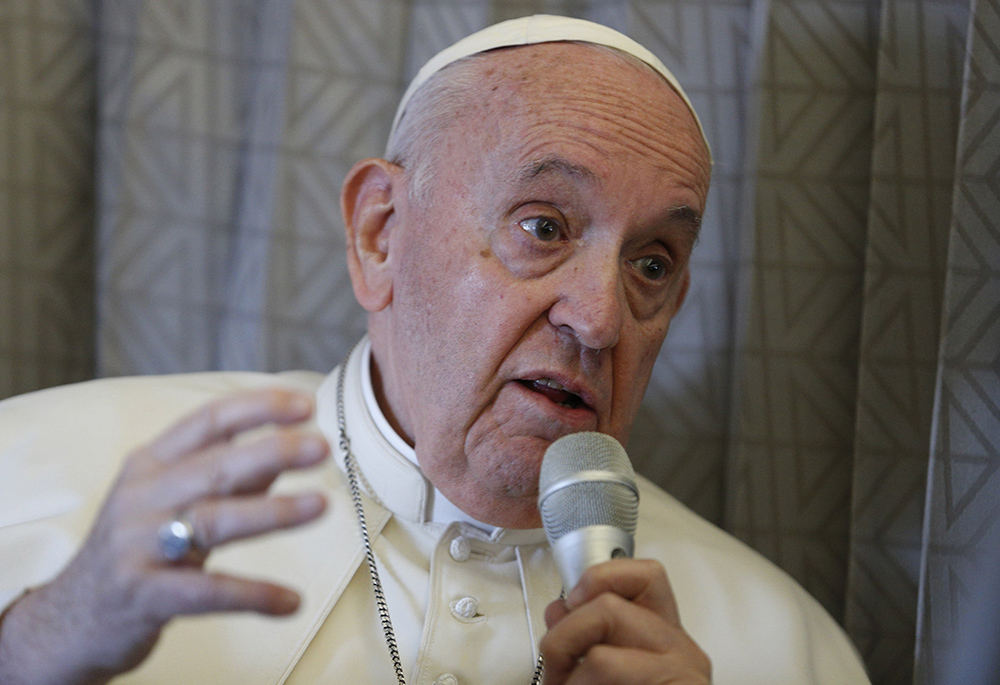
(579, 549)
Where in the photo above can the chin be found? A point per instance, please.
(512, 515)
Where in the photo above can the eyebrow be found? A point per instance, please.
(554, 164)
(689, 219)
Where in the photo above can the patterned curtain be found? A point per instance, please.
(169, 181)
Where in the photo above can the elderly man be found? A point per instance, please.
(521, 256)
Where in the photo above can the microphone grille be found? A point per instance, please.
(587, 500)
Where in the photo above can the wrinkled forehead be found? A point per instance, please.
(540, 98)
(542, 29)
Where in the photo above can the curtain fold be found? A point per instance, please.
(960, 527)
(830, 392)
(47, 147)
(919, 75)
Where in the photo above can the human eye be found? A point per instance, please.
(653, 268)
(541, 228)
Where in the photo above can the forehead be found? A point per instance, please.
(598, 109)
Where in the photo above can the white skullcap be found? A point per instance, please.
(540, 28)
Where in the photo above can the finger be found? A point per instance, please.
(555, 612)
(239, 469)
(221, 420)
(220, 521)
(642, 581)
(611, 621)
(607, 619)
(184, 591)
(604, 664)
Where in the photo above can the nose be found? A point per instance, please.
(591, 301)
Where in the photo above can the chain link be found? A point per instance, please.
(352, 477)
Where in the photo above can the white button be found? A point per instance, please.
(446, 679)
(466, 608)
(460, 549)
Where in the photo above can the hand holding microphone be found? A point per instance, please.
(619, 622)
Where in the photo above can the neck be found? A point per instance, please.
(378, 387)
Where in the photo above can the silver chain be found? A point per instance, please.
(352, 477)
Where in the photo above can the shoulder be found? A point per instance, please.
(755, 622)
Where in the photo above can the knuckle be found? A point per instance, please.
(218, 478)
(601, 661)
(213, 419)
(205, 530)
(607, 602)
(192, 596)
(655, 569)
(146, 597)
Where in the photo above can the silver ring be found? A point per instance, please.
(176, 538)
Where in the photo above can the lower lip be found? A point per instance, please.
(533, 404)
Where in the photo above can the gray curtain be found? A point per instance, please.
(169, 180)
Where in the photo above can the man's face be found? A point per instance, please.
(533, 286)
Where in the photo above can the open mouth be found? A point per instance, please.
(555, 392)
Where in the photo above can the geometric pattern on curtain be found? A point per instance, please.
(46, 195)
(821, 383)
(960, 589)
(919, 82)
(792, 441)
(223, 146)
(852, 172)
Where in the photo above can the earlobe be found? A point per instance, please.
(366, 201)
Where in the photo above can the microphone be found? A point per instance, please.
(589, 502)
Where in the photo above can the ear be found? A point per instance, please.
(366, 201)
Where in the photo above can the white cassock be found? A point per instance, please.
(466, 601)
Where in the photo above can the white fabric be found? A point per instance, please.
(478, 619)
(540, 28)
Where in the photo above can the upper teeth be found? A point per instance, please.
(551, 383)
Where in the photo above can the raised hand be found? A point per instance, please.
(102, 615)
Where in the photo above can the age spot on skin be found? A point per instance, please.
(486, 253)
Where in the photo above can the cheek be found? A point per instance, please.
(453, 315)
(633, 368)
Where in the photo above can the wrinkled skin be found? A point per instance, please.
(103, 614)
(553, 246)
